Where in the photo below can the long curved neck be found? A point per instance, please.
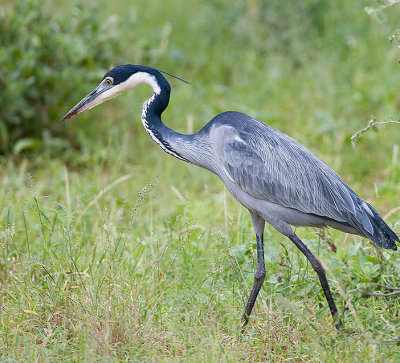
(181, 146)
(166, 138)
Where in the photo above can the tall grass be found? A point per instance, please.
(119, 252)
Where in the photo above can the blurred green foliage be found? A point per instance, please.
(101, 261)
(44, 62)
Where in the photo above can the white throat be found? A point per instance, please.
(138, 78)
(134, 81)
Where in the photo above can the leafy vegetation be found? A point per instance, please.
(116, 251)
(39, 53)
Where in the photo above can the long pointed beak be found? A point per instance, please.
(85, 104)
(100, 94)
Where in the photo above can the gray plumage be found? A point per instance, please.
(277, 179)
(285, 183)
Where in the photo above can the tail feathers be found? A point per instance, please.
(380, 233)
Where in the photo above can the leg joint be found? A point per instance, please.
(316, 265)
(260, 274)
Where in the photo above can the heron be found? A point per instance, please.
(277, 179)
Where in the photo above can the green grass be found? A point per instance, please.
(117, 251)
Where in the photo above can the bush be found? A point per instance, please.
(44, 63)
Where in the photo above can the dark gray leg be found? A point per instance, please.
(316, 265)
(259, 277)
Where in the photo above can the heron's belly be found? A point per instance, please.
(282, 218)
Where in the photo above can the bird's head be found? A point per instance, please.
(118, 80)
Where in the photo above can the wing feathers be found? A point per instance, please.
(271, 166)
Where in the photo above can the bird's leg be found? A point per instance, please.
(259, 277)
(316, 265)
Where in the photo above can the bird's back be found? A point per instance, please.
(269, 165)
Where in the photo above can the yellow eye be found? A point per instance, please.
(108, 81)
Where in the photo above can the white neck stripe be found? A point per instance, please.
(150, 131)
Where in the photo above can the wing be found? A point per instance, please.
(271, 166)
